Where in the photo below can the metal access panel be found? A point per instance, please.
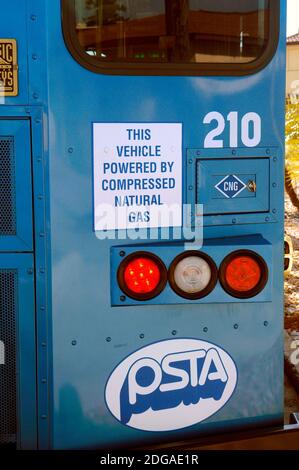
(15, 185)
(17, 351)
(233, 186)
(242, 187)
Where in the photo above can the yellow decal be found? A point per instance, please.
(8, 67)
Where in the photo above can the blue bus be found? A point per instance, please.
(141, 220)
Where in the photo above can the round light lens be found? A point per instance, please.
(243, 273)
(142, 275)
(192, 274)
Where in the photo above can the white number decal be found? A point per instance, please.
(255, 138)
(251, 129)
(234, 128)
(210, 141)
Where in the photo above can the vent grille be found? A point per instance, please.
(8, 387)
(7, 187)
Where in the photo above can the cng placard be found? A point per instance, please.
(137, 175)
(8, 67)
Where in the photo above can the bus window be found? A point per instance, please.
(171, 32)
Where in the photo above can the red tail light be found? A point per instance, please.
(142, 276)
(243, 274)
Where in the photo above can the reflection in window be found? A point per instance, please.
(173, 31)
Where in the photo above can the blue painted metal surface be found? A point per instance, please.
(81, 336)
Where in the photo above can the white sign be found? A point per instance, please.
(171, 385)
(137, 175)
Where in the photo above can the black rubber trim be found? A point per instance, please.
(262, 282)
(157, 290)
(165, 69)
(202, 293)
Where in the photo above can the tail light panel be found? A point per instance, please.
(196, 276)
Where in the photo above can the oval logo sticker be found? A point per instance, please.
(171, 385)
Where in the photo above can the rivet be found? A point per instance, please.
(234, 152)
(122, 298)
(42, 270)
(37, 120)
(30, 271)
(34, 56)
(190, 161)
(122, 253)
(274, 185)
(27, 110)
(266, 323)
(39, 159)
(205, 329)
(274, 211)
(70, 150)
(234, 221)
(174, 332)
(236, 326)
(44, 344)
(267, 219)
(40, 197)
(141, 336)
(198, 152)
(275, 159)
(44, 381)
(74, 342)
(108, 339)
(42, 234)
(35, 96)
(44, 416)
(267, 151)
(190, 188)
(43, 308)
(33, 17)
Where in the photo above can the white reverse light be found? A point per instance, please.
(193, 276)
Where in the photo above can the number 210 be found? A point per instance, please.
(251, 129)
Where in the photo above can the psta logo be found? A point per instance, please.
(171, 385)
